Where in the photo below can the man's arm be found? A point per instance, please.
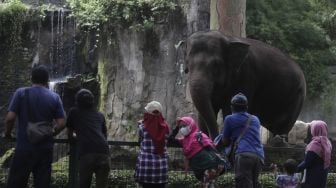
(225, 142)
(104, 128)
(9, 123)
(59, 117)
(226, 133)
(60, 124)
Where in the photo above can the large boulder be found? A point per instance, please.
(278, 141)
(298, 134)
(265, 135)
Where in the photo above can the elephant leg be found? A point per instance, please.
(211, 131)
(279, 118)
(202, 125)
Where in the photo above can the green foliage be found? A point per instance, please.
(61, 164)
(124, 178)
(15, 16)
(12, 18)
(91, 14)
(4, 160)
(328, 99)
(298, 27)
(59, 179)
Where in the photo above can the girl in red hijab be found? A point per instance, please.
(152, 163)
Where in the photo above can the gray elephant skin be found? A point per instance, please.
(220, 66)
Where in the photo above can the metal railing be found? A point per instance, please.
(123, 156)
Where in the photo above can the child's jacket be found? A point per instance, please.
(194, 141)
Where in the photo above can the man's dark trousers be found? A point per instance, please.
(37, 161)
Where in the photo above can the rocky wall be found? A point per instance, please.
(15, 67)
(133, 67)
(137, 67)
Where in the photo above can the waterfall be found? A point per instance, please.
(36, 58)
(72, 22)
(62, 56)
(52, 85)
(51, 54)
(59, 45)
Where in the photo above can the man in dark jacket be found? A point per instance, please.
(88, 126)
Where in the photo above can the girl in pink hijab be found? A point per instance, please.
(199, 151)
(317, 156)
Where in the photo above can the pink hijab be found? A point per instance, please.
(320, 143)
(189, 142)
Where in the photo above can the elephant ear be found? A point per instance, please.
(238, 52)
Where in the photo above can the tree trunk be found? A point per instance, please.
(228, 16)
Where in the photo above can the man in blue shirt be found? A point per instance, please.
(249, 154)
(44, 105)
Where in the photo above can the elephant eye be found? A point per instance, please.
(215, 64)
(186, 69)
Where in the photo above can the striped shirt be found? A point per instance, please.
(150, 167)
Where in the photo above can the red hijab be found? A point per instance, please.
(157, 128)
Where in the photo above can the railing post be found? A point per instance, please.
(73, 166)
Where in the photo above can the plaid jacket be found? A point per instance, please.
(150, 167)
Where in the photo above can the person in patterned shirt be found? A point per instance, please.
(289, 179)
(152, 162)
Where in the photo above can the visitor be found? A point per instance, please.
(242, 130)
(288, 179)
(152, 162)
(40, 104)
(87, 126)
(317, 157)
(200, 152)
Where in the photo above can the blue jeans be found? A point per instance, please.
(247, 167)
(24, 162)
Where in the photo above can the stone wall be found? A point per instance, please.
(132, 67)
(137, 67)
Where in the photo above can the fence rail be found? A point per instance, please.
(123, 157)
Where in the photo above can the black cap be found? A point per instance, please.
(239, 100)
(84, 98)
(40, 75)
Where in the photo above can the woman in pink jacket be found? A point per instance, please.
(200, 152)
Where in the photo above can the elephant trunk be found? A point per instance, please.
(201, 91)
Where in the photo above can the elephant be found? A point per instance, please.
(220, 66)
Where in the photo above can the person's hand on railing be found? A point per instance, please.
(7, 138)
(7, 135)
(274, 168)
(72, 136)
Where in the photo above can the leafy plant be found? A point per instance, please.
(91, 14)
(299, 28)
(124, 178)
(12, 18)
(15, 16)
